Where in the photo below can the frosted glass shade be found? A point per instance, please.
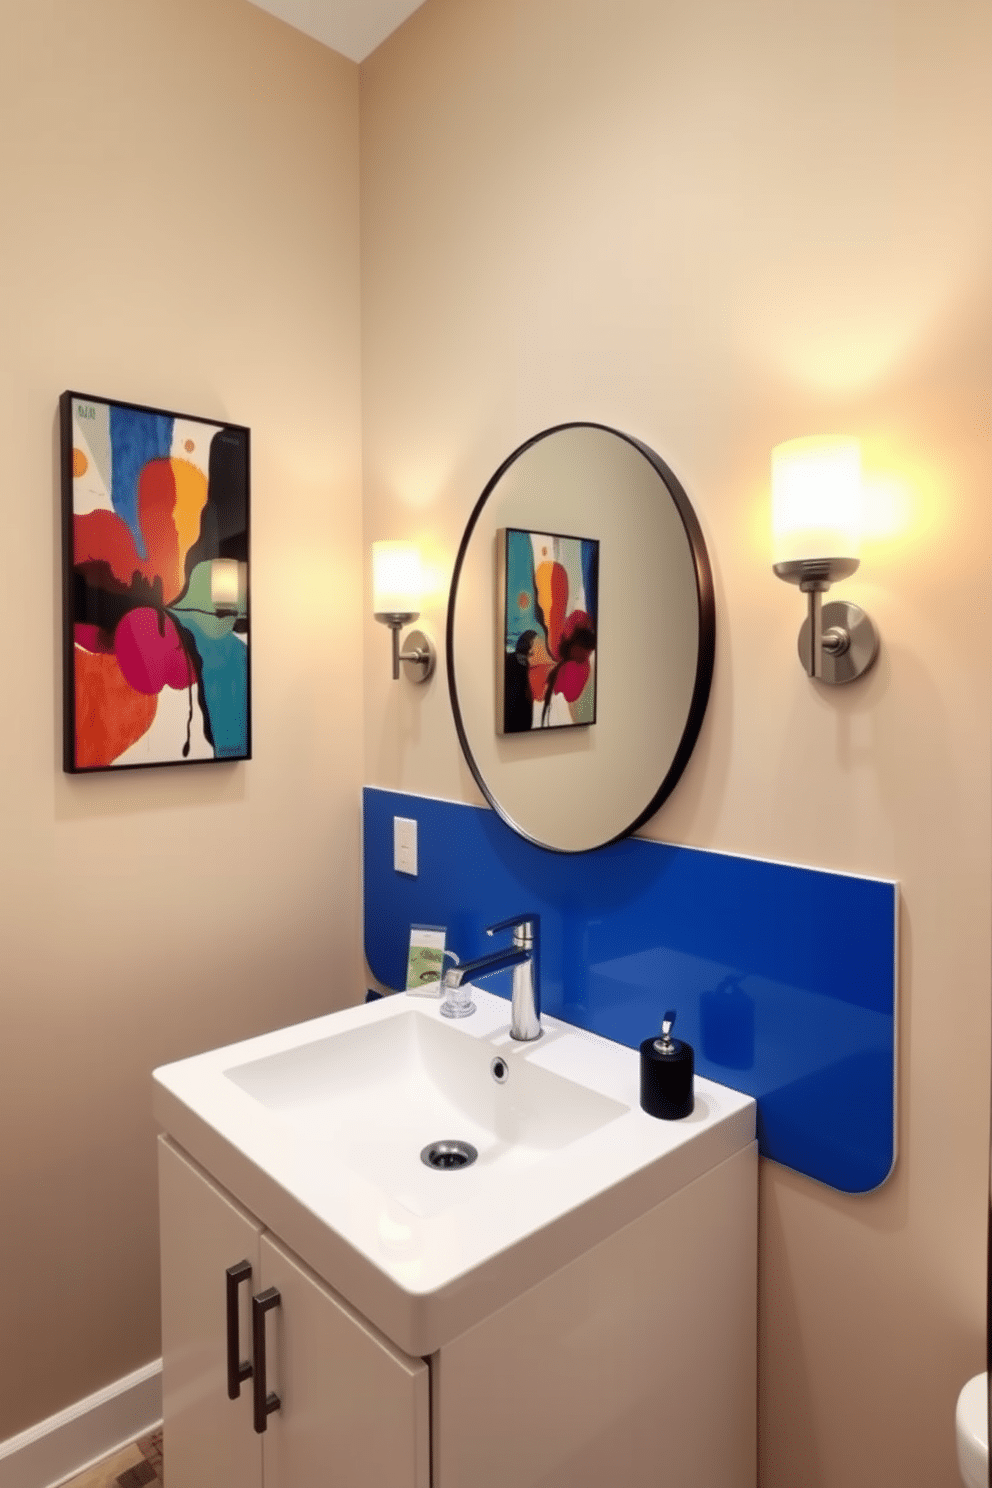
(397, 579)
(816, 499)
(225, 581)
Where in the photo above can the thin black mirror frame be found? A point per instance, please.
(707, 633)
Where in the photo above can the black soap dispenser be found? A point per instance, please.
(666, 1075)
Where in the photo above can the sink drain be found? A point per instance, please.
(446, 1155)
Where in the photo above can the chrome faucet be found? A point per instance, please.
(525, 957)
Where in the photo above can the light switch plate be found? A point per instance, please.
(405, 845)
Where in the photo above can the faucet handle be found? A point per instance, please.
(527, 926)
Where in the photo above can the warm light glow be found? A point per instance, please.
(888, 503)
(816, 499)
(397, 579)
(225, 581)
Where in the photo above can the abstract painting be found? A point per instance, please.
(547, 596)
(155, 569)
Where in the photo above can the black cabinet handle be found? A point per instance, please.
(238, 1369)
(264, 1404)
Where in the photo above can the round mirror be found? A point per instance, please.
(580, 636)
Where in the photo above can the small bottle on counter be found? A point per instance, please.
(667, 1075)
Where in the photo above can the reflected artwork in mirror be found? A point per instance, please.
(580, 636)
(546, 587)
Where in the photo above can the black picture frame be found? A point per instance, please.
(156, 586)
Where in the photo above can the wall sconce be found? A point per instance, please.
(816, 528)
(397, 586)
(226, 583)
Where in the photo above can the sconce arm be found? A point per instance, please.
(833, 640)
(846, 645)
(420, 655)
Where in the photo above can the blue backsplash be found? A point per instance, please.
(784, 978)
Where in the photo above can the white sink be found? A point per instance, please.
(318, 1130)
(378, 1095)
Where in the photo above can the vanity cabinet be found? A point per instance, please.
(633, 1364)
(353, 1409)
(575, 1309)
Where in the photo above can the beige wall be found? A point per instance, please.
(179, 226)
(714, 227)
(718, 226)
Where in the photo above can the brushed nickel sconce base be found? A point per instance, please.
(419, 657)
(849, 645)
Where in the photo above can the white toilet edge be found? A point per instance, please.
(972, 1427)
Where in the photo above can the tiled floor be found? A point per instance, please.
(132, 1467)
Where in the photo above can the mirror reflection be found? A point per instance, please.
(580, 636)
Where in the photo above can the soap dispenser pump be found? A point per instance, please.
(667, 1074)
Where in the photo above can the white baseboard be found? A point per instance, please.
(67, 1444)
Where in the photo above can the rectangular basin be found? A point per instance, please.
(378, 1095)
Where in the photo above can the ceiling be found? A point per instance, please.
(352, 27)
